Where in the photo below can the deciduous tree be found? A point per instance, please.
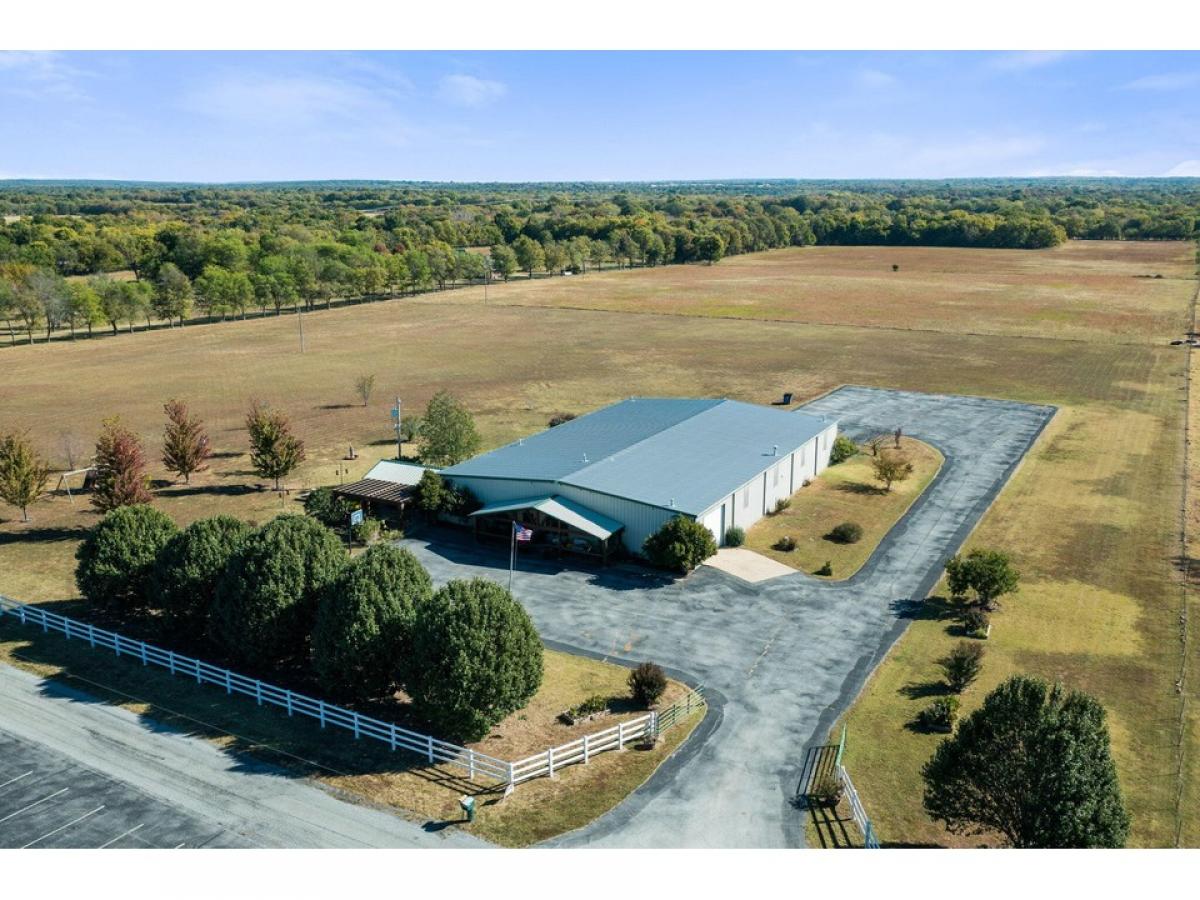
(117, 558)
(185, 575)
(185, 441)
(448, 432)
(23, 473)
(274, 450)
(890, 468)
(989, 573)
(121, 478)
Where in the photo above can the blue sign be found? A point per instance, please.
(395, 413)
(356, 517)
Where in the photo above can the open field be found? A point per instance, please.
(536, 810)
(847, 492)
(1082, 290)
(1092, 516)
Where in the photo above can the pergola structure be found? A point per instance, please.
(558, 525)
(376, 495)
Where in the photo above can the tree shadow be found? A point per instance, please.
(919, 690)
(337, 406)
(859, 487)
(40, 535)
(834, 826)
(217, 490)
(931, 609)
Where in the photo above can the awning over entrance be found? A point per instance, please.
(560, 508)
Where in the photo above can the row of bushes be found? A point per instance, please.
(287, 594)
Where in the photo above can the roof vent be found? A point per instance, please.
(672, 503)
(585, 459)
(774, 449)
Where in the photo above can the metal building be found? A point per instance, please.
(617, 474)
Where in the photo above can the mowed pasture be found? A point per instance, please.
(1092, 516)
(1082, 290)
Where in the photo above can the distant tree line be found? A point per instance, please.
(143, 254)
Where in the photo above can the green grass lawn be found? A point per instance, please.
(847, 492)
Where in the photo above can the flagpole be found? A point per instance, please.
(512, 553)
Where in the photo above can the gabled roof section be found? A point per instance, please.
(397, 472)
(565, 449)
(678, 454)
(574, 514)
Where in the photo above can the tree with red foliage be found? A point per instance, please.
(185, 442)
(121, 477)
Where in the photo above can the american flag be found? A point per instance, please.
(521, 533)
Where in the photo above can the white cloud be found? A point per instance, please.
(1171, 81)
(467, 90)
(1189, 168)
(874, 79)
(1026, 60)
(37, 74)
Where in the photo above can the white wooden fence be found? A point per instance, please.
(861, 819)
(543, 764)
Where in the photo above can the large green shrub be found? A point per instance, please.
(846, 533)
(1032, 763)
(989, 573)
(362, 642)
(266, 600)
(188, 568)
(735, 536)
(117, 558)
(962, 665)
(476, 658)
(843, 448)
(680, 545)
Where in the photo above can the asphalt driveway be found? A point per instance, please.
(783, 658)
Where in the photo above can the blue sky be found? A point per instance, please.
(596, 116)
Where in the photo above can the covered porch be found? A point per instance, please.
(559, 526)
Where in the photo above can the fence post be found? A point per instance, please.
(585, 749)
(620, 735)
(512, 785)
(92, 636)
(258, 691)
(471, 764)
(841, 748)
(429, 747)
(199, 680)
(67, 628)
(117, 643)
(288, 697)
(653, 725)
(688, 697)
(355, 721)
(392, 735)
(550, 762)
(21, 613)
(228, 682)
(45, 623)
(321, 712)
(143, 643)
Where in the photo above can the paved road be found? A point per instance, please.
(64, 756)
(789, 655)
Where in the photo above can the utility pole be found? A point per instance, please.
(399, 435)
(487, 276)
(300, 321)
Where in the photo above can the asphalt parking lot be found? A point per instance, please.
(47, 801)
(787, 656)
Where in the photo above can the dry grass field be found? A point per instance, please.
(1083, 290)
(847, 492)
(1092, 517)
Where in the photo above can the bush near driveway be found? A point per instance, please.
(476, 658)
(680, 545)
(117, 558)
(362, 642)
(843, 448)
(266, 599)
(646, 684)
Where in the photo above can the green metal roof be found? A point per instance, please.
(566, 511)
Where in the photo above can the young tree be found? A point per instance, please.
(680, 545)
(448, 431)
(185, 576)
(23, 473)
(84, 306)
(646, 684)
(117, 558)
(185, 442)
(362, 642)
(172, 293)
(266, 600)
(890, 468)
(476, 658)
(364, 386)
(1032, 763)
(121, 478)
(962, 665)
(989, 573)
(274, 450)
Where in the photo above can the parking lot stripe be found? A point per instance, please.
(18, 778)
(32, 805)
(119, 836)
(63, 827)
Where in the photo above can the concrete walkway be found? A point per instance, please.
(788, 655)
(747, 565)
